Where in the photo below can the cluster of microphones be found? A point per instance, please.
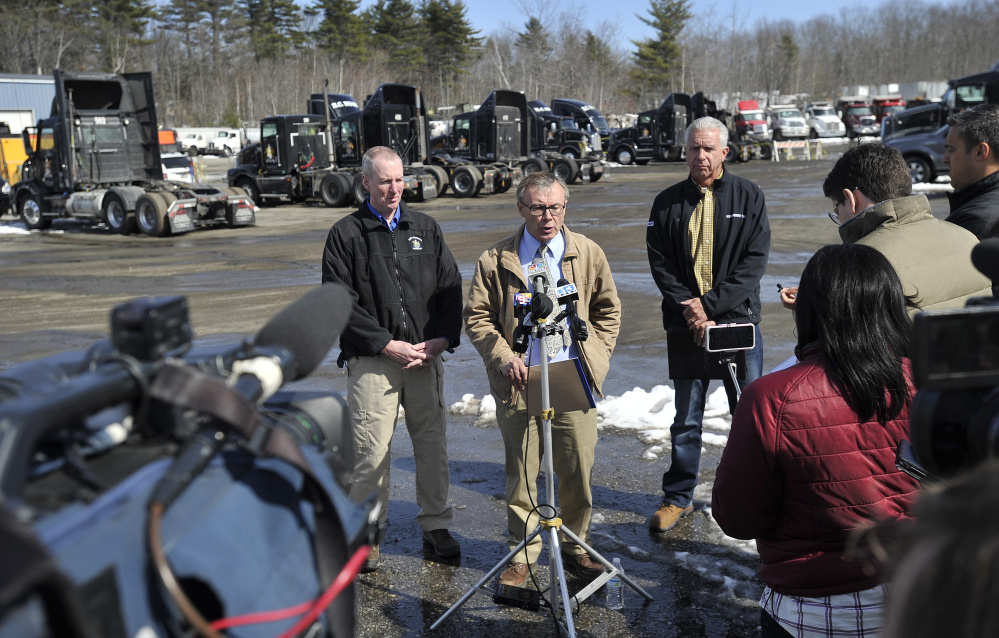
(539, 306)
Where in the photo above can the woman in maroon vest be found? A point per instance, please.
(811, 455)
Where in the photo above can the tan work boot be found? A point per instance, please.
(667, 516)
(515, 574)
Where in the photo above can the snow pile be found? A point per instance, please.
(649, 413)
(14, 228)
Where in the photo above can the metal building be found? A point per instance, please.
(24, 99)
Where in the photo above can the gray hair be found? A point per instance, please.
(542, 180)
(708, 124)
(376, 153)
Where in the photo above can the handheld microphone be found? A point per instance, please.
(568, 295)
(522, 333)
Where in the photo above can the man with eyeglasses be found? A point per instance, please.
(544, 242)
(708, 241)
(871, 194)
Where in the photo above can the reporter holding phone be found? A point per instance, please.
(708, 241)
(810, 458)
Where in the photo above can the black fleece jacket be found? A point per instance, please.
(741, 250)
(407, 284)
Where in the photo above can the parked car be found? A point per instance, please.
(823, 121)
(787, 122)
(923, 152)
(177, 167)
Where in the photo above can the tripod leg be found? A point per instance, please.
(732, 389)
(485, 579)
(556, 571)
(603, 561)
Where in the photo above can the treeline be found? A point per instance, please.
(219, 62)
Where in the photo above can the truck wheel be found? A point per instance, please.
(360, 192)
(570, 152)
(30, 209)
(594, 175)
(813, 134)
(251, 189)
(334, 191)
(919, 170)
(226, 151)
(624, 156)
(151, 215)
(566, 170)
(465, 181)
(440, 176)
(116, 217)
(192, 151)
(766, 151)
(533, 165)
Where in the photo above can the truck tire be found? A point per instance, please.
(594, 175)
(440, 176)
(533, 165)
(251, 189)
(151, 215)
(30, 210)
(566, 170)
(116, 216)
(465, 181)
(570, 152)
(624, 156)
(334, 190)
(226, 151)
(192, 151)
(766, 151)
(358, 189)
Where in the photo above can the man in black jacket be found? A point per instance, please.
(972, 151)
(708, 240)
(407, 311)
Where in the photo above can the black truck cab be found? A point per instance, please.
(658, 134)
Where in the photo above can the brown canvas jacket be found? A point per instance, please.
(489, 312)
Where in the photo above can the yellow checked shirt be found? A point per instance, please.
(702, 235)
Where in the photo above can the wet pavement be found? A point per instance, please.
(58, 288)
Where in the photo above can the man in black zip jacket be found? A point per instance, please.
(407, 311)
(708, 240)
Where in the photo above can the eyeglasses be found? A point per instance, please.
(834, 216)
(539, 210)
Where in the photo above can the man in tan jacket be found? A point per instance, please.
(490, 322)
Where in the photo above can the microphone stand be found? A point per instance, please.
(550, 525)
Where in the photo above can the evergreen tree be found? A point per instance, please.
(121, 25)
(341, 33)
(451, 43)
(274, 27)
(657, 59)
(396, 30)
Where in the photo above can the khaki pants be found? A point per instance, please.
(376, 387)
(574, 439)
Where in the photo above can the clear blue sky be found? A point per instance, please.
(493, 15)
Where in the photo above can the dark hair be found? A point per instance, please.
(978, 124)
(851, 301)
(945, 574)
(878, 171)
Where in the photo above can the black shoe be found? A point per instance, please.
(443, 544)
(582, 565)
(371, 562)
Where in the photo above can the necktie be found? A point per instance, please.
(553, 341)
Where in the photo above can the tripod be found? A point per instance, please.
(549, 528)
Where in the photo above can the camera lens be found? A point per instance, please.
(317, 418)
(953, 430)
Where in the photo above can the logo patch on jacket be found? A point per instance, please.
(416, 243)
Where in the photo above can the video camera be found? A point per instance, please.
(954, 418)
(146, 483)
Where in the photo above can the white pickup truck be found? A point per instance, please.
(222, 142)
